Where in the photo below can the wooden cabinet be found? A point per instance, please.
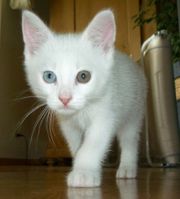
(74, 15)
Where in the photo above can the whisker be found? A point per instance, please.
(24, 92)
(38, 121)
(46, 125)
(29, 97)
(49, 128)
(51, 124)
(19, 124)
(40, 124)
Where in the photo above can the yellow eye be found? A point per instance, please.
(83, 76)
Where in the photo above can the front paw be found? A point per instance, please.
(126, 171)
(84, 178)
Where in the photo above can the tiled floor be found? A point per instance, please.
(29, 182)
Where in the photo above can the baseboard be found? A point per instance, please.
(8, 161)
(41, 161)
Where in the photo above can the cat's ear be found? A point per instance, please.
(35, 32)
(102, 30)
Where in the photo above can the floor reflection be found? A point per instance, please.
(84, 193)
(151, 183)
(127, 188)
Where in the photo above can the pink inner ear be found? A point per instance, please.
(101, 31)
(108, 36)
(33, 36)
(29, 37)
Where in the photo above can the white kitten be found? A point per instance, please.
(95, 92)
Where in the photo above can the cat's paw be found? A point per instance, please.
(84, 178)
(126, 171)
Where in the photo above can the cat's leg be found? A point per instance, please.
(73, 137)
(129, 140)
(87, 163)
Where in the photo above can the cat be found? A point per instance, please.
(95, 91)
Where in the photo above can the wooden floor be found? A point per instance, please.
(29, 182)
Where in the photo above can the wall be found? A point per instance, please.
(12, 85)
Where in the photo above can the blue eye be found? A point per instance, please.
(49, 77)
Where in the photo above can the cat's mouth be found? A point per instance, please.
(66, 110)
(61, 109)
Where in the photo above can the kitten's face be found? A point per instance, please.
(68, 71)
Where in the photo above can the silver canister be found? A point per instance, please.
(162, 138)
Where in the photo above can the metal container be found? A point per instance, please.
(161, 120)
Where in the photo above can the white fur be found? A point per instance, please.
(111, 103)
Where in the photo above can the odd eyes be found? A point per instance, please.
(49, 77)
(82, 77)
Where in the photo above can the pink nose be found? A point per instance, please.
(65, 100)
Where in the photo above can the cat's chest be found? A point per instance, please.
(82, 121)
(79, 122)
